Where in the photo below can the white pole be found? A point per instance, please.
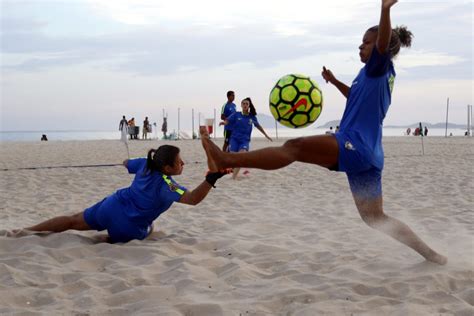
(192, 118)
(469, 119)
(179, 110)
(447, 110)
(199, 124)
(215, 122)
(468, 123)
(276, 129)
(422, 145)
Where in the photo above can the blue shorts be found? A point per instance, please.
(353, 154)
(366, 184)
(109, 214)
(236, 145)
(227, 134)
(365, 179)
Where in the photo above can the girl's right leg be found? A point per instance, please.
(62, 223)
(371, 211)
(320, 150)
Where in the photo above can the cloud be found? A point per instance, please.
(158, 51)
(222, 14)
(411, 59)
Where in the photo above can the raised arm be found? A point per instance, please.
(385, 27)
(329, 77)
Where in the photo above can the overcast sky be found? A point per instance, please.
(82, 64)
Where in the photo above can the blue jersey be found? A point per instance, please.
(150, 194)
(227, 110)
(241, 126)
(367, 104)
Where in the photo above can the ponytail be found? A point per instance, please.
(401, 37)
(405, 36)
(158, 159)
(252, 110)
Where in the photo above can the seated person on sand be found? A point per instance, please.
(129, 213)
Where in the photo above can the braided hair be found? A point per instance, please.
(158, 159)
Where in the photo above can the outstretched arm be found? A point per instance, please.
(197, 195)
(260, 128)
(200, 192)
(329, 77)
(385, 28)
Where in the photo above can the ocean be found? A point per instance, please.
(19, 136)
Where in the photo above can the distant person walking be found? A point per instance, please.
(426, 131)
(408, 131)
(164, 127)
(228, 109)
(146, 127)
(123, 124)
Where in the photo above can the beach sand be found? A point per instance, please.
(285, 242)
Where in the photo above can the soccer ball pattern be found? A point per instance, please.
(296, 101)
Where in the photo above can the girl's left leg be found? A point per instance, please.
(371, 211)
(62, 223)
(235, 171)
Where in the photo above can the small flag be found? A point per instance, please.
(124, 139)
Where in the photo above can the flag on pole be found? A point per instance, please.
(422, 145)
(124, 139)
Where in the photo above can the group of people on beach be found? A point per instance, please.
(356, 149)
(129, 127)
(418, 131)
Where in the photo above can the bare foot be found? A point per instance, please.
(437, 258)
(212, 151)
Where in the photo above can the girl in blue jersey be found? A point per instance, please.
(129, 213)
(228, 109)
(357, 148)
(241, 124)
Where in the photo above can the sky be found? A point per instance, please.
(82, 64)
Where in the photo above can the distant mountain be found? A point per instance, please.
(414, 125)
(268, 121)
(330, 123)
(429, 125)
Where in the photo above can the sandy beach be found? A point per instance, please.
(285, 242)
